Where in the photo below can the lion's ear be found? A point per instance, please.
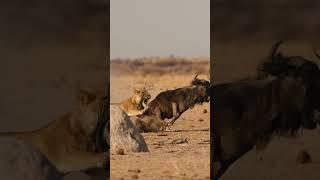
(136, 90)
(85, 97)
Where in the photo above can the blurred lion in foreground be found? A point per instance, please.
(70, 141)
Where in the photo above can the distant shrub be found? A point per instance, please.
(160, 65)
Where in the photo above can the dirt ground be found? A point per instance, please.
(166, 160)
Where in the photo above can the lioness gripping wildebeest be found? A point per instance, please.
(247, 113)
(171, 104)
(69, 142)
(136, 104)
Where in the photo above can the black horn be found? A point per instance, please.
(318, 56)
(195, 77)
(274, 48)
(315, 53)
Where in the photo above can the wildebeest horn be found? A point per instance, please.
(195, 77)
(317, 55)
(274, 48)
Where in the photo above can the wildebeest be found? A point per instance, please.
(277, 63)
(171, 104)
(247, 113)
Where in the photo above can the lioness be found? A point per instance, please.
(69, 141)
(135, 104)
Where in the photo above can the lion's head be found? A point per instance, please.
(89, 108)
(140, 97)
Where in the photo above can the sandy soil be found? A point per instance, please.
(165, 160)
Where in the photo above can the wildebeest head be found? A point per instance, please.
(277, 64)
(201, 94)
(291, 83)
(197, 81)
(293, 96)
(202, 86)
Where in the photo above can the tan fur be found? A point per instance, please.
(67, 142)
(133, 106)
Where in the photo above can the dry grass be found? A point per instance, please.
(160, 65)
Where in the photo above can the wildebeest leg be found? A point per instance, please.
(176, 114)
(174, 119)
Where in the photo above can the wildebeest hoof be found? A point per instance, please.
(165, 128)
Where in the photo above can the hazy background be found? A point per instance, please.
(243, 31)
(47, 49)
(273, 19)
(159, 28)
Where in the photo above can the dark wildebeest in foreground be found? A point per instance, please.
(277, 63)
(171, 104)
(247, 113)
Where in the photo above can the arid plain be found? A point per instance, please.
(170, 156)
